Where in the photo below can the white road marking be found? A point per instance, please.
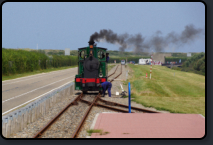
(38, 74)
(26, 79)
(23, 77)
(35, 90)
(34, 98)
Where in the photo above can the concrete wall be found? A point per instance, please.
(160, 56)
(18, 119)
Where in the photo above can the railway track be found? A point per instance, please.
(78, 111)
(116, 76)
(113, 72)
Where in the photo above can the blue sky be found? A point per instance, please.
(60, 25)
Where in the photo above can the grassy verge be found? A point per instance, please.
(34, 72)
(171, 90)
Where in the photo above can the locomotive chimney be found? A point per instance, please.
(91, 42)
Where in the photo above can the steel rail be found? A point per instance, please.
(114, 71)
(125, 106)
(57, 116)
(105, 106)
(112, 108)
(84, 118)
(117, 75)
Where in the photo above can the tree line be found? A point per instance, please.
(195, 64)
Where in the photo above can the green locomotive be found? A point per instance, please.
(92, 67)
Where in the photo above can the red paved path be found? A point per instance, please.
(150, 125)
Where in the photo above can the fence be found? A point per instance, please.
(18, 119)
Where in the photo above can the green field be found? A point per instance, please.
(171, 90)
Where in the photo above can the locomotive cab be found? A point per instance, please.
(92, 68)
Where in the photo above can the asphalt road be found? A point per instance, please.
(18, 91)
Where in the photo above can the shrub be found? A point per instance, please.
(195, 64)
(20, 61)
(175, 59)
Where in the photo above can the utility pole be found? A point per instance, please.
(151, 64)
(37, 47)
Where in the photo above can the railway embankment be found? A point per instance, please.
(37, 110)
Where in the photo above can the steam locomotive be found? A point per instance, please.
(92, 68)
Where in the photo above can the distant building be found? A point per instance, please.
(67, 51)
(189, 54)
(161, 56)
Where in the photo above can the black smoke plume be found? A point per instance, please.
(156, 42)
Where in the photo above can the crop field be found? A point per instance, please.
(171, 90)
(21, 61)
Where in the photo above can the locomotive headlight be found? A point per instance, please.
(100, 75)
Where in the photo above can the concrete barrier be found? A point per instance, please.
(20, 118)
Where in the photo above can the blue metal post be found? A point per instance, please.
(129, 97)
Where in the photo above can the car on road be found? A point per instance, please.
(132, 62)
